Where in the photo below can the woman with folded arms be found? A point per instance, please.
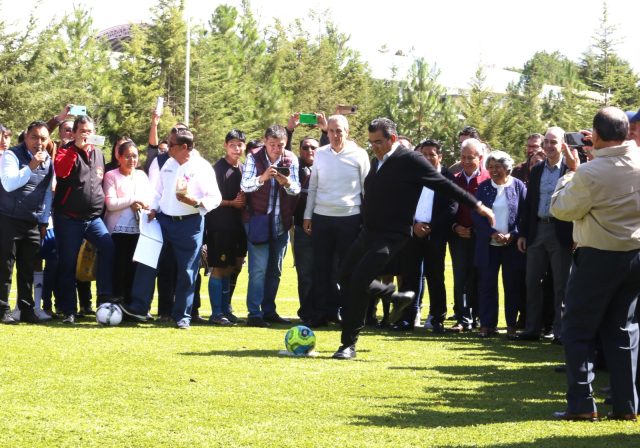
(496, 247)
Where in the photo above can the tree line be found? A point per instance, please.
(249, 77)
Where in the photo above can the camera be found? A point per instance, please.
(576, 140)
(281, 169)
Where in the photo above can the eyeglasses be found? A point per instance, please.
(179, 130)
(309, 147)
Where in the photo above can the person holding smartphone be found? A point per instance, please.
(26, 174)
(271, 201)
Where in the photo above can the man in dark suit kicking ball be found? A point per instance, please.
(392, 190)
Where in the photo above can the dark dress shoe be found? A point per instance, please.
(627, 417)
(257, 322)
(486, 332)
(525, 336)
(334, 318)
(276, 319)
(458, 328)
(198, 319)
(400, 301)
(402, 326)
(345, 352)
(317, 323)
(438, 327)
(586, 417)
(371, 321)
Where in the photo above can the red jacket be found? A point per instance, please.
(463, 217)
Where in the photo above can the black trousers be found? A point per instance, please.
(366, 259)
(600, 301)
(19, 244)
(125, 268)
(331, 238)
(425, 257)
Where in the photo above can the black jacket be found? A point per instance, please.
(529, 222)
(392, 193)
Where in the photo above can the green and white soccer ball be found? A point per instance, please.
(300, 340)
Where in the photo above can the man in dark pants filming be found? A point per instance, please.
(392, 189)
(602, 198)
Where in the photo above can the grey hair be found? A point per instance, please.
(340, 119)
(474, 143)
(502, 158)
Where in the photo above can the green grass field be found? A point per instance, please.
(154, 386)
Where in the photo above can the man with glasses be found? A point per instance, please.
(391, 191)
(186, 190)
(26, 174)
(302, 242)
(332, 214)
(78, 204)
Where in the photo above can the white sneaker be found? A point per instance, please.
(427, 322)
(16, 314)
(40, 313)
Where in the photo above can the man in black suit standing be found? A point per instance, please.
(391, 191)
(427, 249)
(544, 238)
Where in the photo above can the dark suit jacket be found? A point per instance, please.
(443, 213)
(391, 193)
(529, 223)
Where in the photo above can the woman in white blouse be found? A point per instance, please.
(127, 191)
(495, 246)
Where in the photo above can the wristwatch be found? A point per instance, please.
(197, 205)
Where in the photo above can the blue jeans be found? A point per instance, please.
(185, 237)
(265, 268)
(69, 235)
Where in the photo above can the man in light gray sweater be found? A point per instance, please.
(333, 212)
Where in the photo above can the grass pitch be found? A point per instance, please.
(154, 386)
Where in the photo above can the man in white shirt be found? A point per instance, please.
(186, 191)
(333, 212)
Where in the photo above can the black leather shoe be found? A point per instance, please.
(276, 319)
(317, 323)
(400, 301)
(345, 352)
(459, 328)
(586, 417)
(402, 326)
(525, 336)
(257, 322)
(198, 319)
(29, 316)
(438, 327)
(627, 417)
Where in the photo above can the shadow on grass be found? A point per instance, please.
(514, 383)
(609, 440)
(259, 353)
